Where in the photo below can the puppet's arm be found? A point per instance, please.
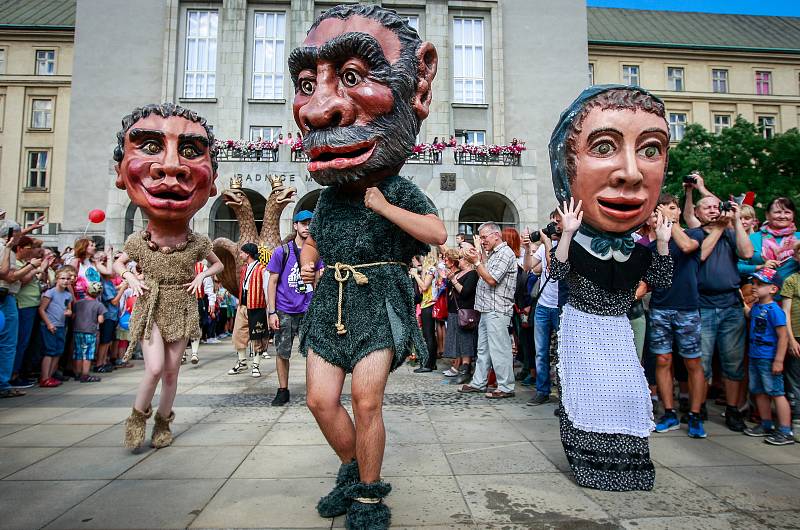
(425, 228)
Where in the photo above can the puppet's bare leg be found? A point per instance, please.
(323, 396)
(368, 386)
(169, 378)
(153, 351)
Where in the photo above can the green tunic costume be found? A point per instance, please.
(379, 314)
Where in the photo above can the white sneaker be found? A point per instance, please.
(450, 372)
(183, 359)
(255, 372)
(195, 359)
(266, 355)
(212, 340)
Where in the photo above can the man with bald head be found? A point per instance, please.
(722, 318)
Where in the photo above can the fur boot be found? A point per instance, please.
(336, 503)
(135, 427)
(162, 436)
(367, 510)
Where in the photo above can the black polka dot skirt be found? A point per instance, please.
(610, 462)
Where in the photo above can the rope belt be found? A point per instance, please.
(342, 272)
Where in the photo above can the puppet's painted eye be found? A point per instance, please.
(307, 86)
(650, 151)
(350, 78)
(604, 148)
(189, 151)
(150, 147)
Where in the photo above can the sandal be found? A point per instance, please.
(11, 393)
(499, 394)
(468, 389)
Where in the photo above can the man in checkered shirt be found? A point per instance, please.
(494, 299)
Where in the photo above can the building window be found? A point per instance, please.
(37, 169)
(264, 133)
(2, 60)
(42, 114)
(677, 126)
(45, 62)
(468, 60)
(30, 217)
(200, 72)
(719, 80)
(591, 74)
(766, 124)
(413, 21)
(269, 31)
(721, 121)
(475, 137)
(675, 79)
(763, 83)
(630, 74)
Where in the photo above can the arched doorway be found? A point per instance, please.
(486, 206)
(224, 222)
(307, 202)
(135, 220)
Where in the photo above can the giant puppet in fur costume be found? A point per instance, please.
(165, 163)
(362, 87)
(608, 155)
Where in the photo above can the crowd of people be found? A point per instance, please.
(726, 330)
(492, 307)
(66, 315)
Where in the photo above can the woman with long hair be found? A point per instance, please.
(460, 344)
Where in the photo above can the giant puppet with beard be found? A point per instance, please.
(362, 83)
(608, 155)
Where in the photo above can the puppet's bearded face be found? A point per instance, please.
(620, 162)
(353, 100)
(166, 167)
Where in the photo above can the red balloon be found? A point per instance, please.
(97, 216)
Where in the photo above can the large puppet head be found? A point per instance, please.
(165, 161)
(362, 83)
(609, 150)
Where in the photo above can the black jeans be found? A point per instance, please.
(429, 333)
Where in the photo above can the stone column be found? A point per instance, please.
(231, 68)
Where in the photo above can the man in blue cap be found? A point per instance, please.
(287, 299)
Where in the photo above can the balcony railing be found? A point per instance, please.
(247, 155)
(465, 158)
(426, 157)
(299, 156)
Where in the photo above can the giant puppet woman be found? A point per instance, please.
(608, 155)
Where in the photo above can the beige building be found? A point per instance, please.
(36, 46)
(708, 68)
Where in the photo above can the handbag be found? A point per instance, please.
(467, 318)
(440, 308)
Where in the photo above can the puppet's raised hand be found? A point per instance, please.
(571, 216)
(663, 228)
(374, 200)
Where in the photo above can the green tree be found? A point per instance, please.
(737, 160)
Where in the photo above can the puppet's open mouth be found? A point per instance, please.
(343, 157)
(168, 197)
(621, 207)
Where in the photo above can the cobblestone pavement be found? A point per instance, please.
(454, 461)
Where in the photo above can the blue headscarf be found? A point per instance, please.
(558, 141)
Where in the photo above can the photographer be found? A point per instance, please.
(546, 316)
(693, 181)
(722, 319)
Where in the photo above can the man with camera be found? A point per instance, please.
(722, 318)
(546, 315)
(288, 298)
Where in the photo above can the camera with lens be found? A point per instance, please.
(690, 179)
(550, 230)
(725, 206)
(301, 287)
